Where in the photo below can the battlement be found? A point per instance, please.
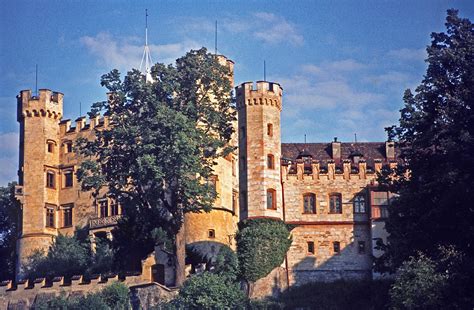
(81, 124)
(46, 104)
(263, 93)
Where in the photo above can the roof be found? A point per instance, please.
(371, 151)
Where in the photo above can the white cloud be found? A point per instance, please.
(277, 29)
(407, 54)
(126, 53)
(273, 29)
(8, 157)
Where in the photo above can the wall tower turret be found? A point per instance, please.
(39, 180)
(259, 149)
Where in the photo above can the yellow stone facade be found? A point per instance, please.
(301, 184)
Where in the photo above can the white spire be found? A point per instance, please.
(146, 58)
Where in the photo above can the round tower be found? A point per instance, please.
(38, 174)
(259, 112)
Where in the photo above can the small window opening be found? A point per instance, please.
(211, 233)
(271, 199)
(270, 130)
(270, 161)
(336, 245)
(310, 247)
(50, 145)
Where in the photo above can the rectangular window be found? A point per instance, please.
(50, 176)
(103, 208)
(114, 208)
(270, 161)
(211, 233)
(235, 196)
(67, 215)
(270, 130)
(69, 147)
(50, 216)
(309, 201)
(359, 204)
(380, 198)
(361, 247)
(271, 199)
(336, 247)
(335, 203)
(310, 247)
(50, 147)
(68, 178)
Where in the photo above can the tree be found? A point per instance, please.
(435, 181)
(9, 219)
(261, 246)
(161, 146)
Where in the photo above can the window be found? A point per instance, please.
(380, 198)
(50, 216)
(211, 233)
(270, 161)
(310, 247)
(114, 208)
(50, 178)
(103, 208)
(336, 246)
(68, 147)
(270, 130)
(50, 146)
(68, 178)
(271, 199)
(359, 204)
(67, 215)
(309, 201)
(212, 182)
(335, 204)
(235, 196)
(361, 247)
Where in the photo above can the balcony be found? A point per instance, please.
(101, 222)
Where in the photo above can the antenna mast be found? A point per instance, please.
(146, 58)
(215, 41)
(36, 81)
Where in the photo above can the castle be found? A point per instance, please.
(327, 190)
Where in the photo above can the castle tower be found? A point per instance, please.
(39, 179)
(259, 149)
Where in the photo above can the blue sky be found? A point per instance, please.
(343, 64)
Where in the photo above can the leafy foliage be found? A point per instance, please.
(209, 291)
(114, 296)
(163, 142)
(68, 256)
(9, 219)
(227, 264)
(261, 246)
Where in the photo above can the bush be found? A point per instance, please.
(209, 291)
(116, 296)
(227, 264)
(261, 246)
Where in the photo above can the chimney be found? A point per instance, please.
(336, 150)
(390, 150)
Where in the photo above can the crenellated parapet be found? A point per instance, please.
(46, 104)
(265, 93)
(81, 124)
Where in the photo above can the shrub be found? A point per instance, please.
(116, 296)
(261, 246)
(227, 264)
(209, 291)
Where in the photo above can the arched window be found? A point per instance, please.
(359, 204)
(270, 130)
(270, 161)
(50, 145)
(271, 199)
(309, 203)
(335, 203)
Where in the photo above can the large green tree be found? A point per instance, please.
(435, 181)
(9, 220)
(161, 146)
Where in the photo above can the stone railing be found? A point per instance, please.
(101, 222)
